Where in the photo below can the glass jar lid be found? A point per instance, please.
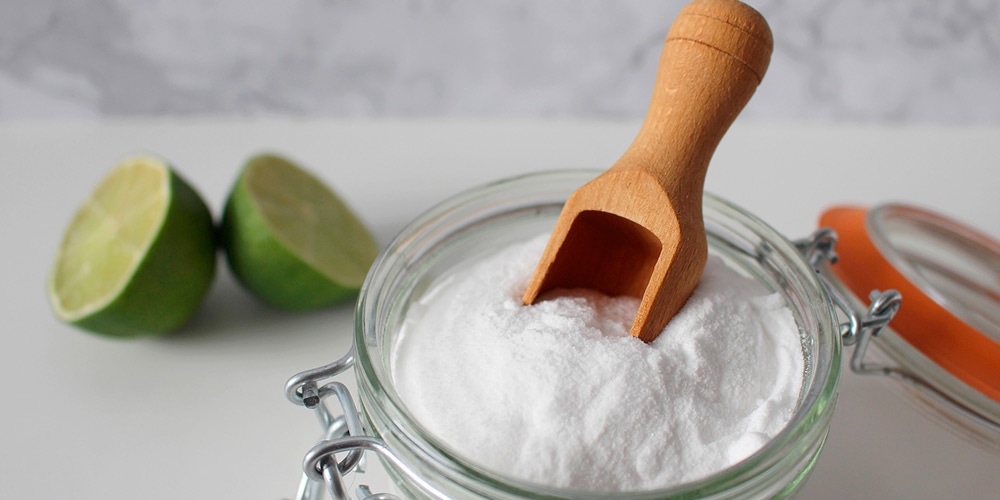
(949, 277)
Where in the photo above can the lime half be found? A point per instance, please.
(138, 256)
(290, 240)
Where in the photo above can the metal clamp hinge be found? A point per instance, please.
(341, 434)
(860, 328)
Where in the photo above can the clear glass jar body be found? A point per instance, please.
(478, 221)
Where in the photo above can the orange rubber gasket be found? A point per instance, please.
(962, 350)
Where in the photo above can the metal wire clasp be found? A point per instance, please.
(861, 327)
(341, 434)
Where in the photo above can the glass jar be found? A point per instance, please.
(478, 221)
(475, 223)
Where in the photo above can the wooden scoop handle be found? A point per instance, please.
(713, 59)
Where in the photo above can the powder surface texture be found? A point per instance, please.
(558, 393)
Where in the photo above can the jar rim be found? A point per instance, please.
(809, 422)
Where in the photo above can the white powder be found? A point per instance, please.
(558, 393)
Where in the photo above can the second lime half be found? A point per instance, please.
(292, 241)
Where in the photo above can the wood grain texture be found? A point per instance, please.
(638, 229)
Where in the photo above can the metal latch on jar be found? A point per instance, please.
(343, 434)
(860, 328)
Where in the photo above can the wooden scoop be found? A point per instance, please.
(637, 229)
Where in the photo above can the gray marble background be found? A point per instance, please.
(870, 61)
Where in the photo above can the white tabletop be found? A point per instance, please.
(201, 413)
